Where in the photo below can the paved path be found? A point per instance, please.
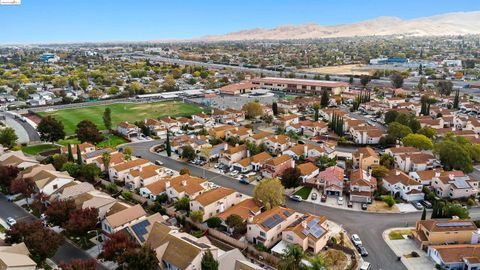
(66, 252)
(368, 225)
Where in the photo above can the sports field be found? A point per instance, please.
(130, 112)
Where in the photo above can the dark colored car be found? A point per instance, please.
(364, 206)
(350, 204)
(363, 251)
(323, 198)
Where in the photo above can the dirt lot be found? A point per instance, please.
(341, 70)
(379, 206)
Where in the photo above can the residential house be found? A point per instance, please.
(463, 256)
(308, 171)
(455, 185)
(287, 120)
(240, 133)
(219, 131)
(119, 172)
(232, 154)
(415, 161)
(17, 159)
(366, 135)
(16, 257)
(115, 159)
(215, 201)
(362, 186)
(115, 221)
(397, 182)
(128, 130)
(143, 176)
(48, 180)
(439, 232)
(204, 119)
(331, 180)
(156, 128)
(275, 166)
(277, 143)
(310, 232)
(258, 138)
(85, 148)
(365, 158)
(266, 228)
(90, 157)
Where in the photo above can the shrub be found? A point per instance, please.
(389, 200)
(414, 254)
(471, 202)
(112, 188)
(214, 222)
(127, 195)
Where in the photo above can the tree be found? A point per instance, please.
(168, 147)
(387, 161)
(89, 172)
(208, 261)
(454, 209)
(70, 153)
(182, 204)
(364, 80)
(188, 152)
(184, 170)
(58, 161)
(325, 99)
(71, 168)
(275, 108)
(318, 262)
(41, 242)
(428, 132)
(236, 223)
(24, 186)
(81, 221)
(456, 101)
(323, 162)
(87, 131)
(127, 152)
(270, 192)
(444, 88)
(79, 155)
(58, 212)
(140, 258)
(8, 138)
(316, 107)
(389, 200)
(453, 155)
(78, 264)
(292, 258)
(116, 245)
(397, 130)
(397, 80)
(418, 141)
(50, 129)
(107, 118)
(379, 172)
(252, 109)
(214, 222)
(390, 116)
(291, 177)
(196, 216)
(169, 84)
(106, 158)
(7, 175)
(424, 214)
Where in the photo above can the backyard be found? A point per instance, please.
(130, 112)
(37, 149)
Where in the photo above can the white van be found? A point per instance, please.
(365, 266)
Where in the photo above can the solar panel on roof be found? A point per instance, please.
(305, 232)
(276, 216)
(140, 229)
(313, 222)
(461, 183)
(318, 232)
(454, 224)
(286, 213)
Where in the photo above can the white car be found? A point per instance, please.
(233, 173)
(340, 200)
(11, 221)
(356, 240)
(365, 266)
(158, 162)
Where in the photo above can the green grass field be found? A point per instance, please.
(304, 192)
(130, 112)
(37, 149)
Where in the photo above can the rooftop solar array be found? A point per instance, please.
(461, 183)
(200, 245)
(273, 221)
(314, 229)
(140, 229)
(454, 224)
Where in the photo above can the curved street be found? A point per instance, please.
(369, 226)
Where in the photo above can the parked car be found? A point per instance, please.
(296, 198)
(244, 181)
(340, 200)
(158, 162)
(365, 266)
(356, 240)
(364, 206)
(313, 196)
(363, 251)
(426, 204)
(234, 173)
(11, 221)
(323, 198)
(417, 205)
(216, 165)
(349, 204)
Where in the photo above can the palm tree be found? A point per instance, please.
(317, 263)
(292, 258)
(106, 160)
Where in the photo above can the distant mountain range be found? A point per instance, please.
(459, 23)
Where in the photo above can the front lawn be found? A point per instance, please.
(303, 192)
(71, 141)
(111, 141)
(130, 112)
(398, 234)
(37, 149)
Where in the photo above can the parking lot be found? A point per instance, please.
(235, 102)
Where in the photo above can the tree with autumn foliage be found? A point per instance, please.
(58, 212)
(81, 221)
(140, 258)
(116, 245)
(7, 174)
(24, 186)
(77, 264)
(39, 202)
(41, 242)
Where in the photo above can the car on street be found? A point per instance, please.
(244, 181)
(340, 200)
(234, 173)
(417, 205)
(426, 204)
(364, 206)
(296, 198)
(313, 196)
(11, 221)
(356, 240)
(363, 251)
(158, 162)
(365, 266)
(323, 198)
(349, 204)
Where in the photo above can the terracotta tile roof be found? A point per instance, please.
(130, 164)
(279, 160)
(403, 149)
(280, 139)
(302, 224)
(300, 82)
(432, 225)
(126, 216)
(396, 176)
(237, 86)
(261, 135)
(366, 151)
(245, 209)
(236, 149)
(83, 147)
(126, 125)
(261, 157)
(213, 195)
(192, 184)
(361, 178)
(146, 172)
(307, 168)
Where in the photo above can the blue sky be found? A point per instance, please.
(135, 20)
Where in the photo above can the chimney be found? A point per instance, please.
(455, 218)
(437, 174)
(225, 147)
(276, 137)
(304, 224)
(248, 153)
(397, 146)
(451, 176)
(236, 145)
(305, 150)
(397, 172)
(167, 184)
(184, 183)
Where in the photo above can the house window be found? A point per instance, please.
(55, 186)
(289, 237)
(262, 234)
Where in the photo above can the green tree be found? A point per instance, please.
(106, 158)
(292, 258)
(140, 258)
(379, 172)
(8, 138)
(208, 261)
(168, 147)
(196, 216)
(387, 161)
(454, 209)
(107, 118)
(456, 101)
(214, 222)
(50, 129)
(428, 132)
(87, 131)
(424, 214)
(389, 200)
(453, 155)
(270, 192)
(364, 80)
(397, 130)
(275, 108)
(188, 152)
(418, 141)
(182, 204)
(79, 155)
(325, 99)
(236, 222)
(89, 172)
(291, 177)
(127, 152)
(444, 88)
(70, 153)
(397, 80)
(390, 116)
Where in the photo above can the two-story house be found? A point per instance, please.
(215, 201)
(362, 186)
(311, 232)
(275, 166)
(398, 182)
(440, 232)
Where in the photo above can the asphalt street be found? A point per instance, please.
(369, 226)
(65, 253)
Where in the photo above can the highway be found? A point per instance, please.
(368, 225)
